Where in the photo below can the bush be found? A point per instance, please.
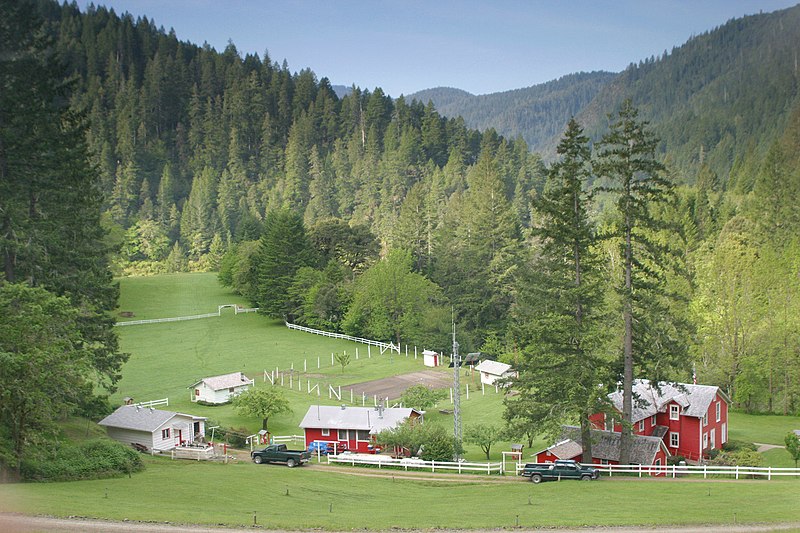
(741, 457)
(736, 445)
(674, 460)
(94, 459)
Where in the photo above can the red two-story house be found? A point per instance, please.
(690, 419)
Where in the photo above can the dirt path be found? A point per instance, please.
(765, 447)
(15, 523)
(394, 386)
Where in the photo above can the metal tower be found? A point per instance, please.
(456, 395)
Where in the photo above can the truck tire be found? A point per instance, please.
(586, 477)
(536, 478)
(258, 459)
(291, 463)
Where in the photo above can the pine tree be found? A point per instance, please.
(627, 159)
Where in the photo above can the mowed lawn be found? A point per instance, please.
(329, 498)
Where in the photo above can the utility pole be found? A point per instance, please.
(456, 396)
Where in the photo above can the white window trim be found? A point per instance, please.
(705, 441)
(653, 421)
(719, 411)
(641, 425)
(326, 432)
(723, 437)
(341, 434)
(674, 412)
(674, 439)
(713, 441)
(705, 420)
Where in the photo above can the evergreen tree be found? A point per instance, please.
(284, 249)
(559, 311)
(627, 160)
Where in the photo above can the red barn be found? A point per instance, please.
(353, 428)
(690, 419)
(605, 448)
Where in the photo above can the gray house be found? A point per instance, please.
(154, 429)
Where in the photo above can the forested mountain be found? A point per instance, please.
(537, 114)
(380, 217)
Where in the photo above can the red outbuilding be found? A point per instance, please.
(352, 428)
(690, 419)
(605, 448)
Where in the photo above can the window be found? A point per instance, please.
(705, 441)
(658, 462)
(723, 434)
(165, 434)
(674, 439)
(713, 438)
(705, 420)
(342, 434)
(609, 423)
(230, 389)
(674, 412)
(641, 425)
(719, 411)
(197, 392)
(362, 435)
(326, 432)
(653, 421)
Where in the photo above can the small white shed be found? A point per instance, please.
(153, 428)
(491, 371)
(431, 358)
(220, 389)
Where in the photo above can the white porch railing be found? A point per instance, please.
(676, 471)
(382, 345)
(381, 461)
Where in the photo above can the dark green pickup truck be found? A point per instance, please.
(538, 472)
(277, 453)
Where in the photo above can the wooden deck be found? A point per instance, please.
(196, 453)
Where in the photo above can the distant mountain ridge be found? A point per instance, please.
(536, 113)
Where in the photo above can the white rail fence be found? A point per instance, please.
(153, 403)
(283, 439)
(236, 310)
(382, 461)
(677, 471)
(382, 345)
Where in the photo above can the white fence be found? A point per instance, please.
(382, 461)
(382, 345)
(676, 471)
(153, 403)
(288, 438)
(236, 310)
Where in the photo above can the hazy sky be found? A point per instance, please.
(479, 46)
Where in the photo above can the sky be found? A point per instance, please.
(480, 46)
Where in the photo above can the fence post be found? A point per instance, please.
(356, 354)
(705, 468)
(331, 358)
(369, 351)
(305, 365)
(415, 352)
(769, 473)
(737, 471)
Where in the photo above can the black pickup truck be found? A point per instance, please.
(277, 453)
(538, 472)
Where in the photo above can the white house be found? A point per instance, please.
(155, 429)
(220, 389)
(431, 358)
(491, 371)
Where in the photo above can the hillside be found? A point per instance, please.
(536, 113)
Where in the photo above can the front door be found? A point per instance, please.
(178, 437)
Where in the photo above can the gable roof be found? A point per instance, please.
(496, 368)
(364, 418)
(606, 444)
(225, 381)
(649, 400)
(141, 418)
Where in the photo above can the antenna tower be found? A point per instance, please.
(456, 395)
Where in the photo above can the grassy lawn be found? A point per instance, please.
(766, 429)
(329, 499)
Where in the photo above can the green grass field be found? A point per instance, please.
(330, 498)
(167, 358)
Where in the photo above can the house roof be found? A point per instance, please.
(496, 368)
(363, 418)
(141, 418)
(649, 400)
(429, 352)
(566, 449)
(226, 381)
(605, 445)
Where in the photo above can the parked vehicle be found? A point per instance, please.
(318, 447)
(278, 453)
(538, 472)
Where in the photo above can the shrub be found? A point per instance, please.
(736, 445)
(94, 459)
(741, 457)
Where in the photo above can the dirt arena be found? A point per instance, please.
(394, 386)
